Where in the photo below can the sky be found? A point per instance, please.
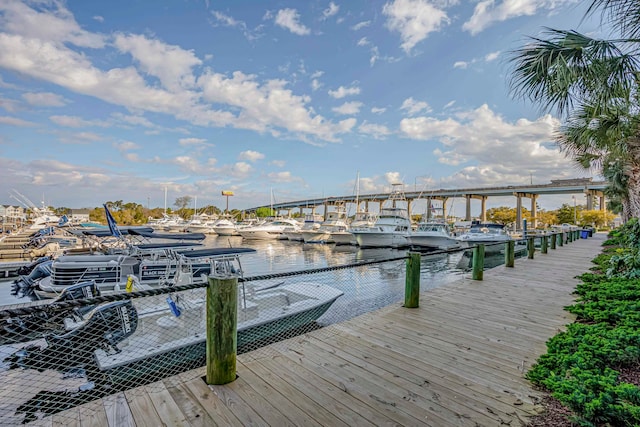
(120, 100)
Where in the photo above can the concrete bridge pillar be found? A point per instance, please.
(428, 208)
(534, 211)
(380, 203)
(518, 211)
(326, 208)
(444, 209)
(603, 205)
(467, 216)
(313, 210)
(589, 201)
(483, 209)
(409, 208)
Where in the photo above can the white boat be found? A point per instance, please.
(225, 227)
(269, 230)
(141, 340)
(200, 224)
(392, 227)
(433, 234)
(311, 223)
(336, 222)
(361, 219)
(489, 234)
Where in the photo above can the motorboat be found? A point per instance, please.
(335, 222)
(200, 224)
(225, 227)
(270, 230)
(311, 223)
(433, 234)
(391, 228)
(113, 273)
(120, 344)
(489, 234)
(362, 219)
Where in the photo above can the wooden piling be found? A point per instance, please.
(412, 281)
(561, 238)
(553, 240)
(222, 330)
(543, 244)
(509, 253)
(530, 247)
(478, 262)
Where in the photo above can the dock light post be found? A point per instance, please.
(575, 212)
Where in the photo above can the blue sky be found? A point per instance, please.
(118, 100)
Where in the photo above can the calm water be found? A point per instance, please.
(365, 288)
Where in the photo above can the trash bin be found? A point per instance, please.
(591, 232)
(584, 233)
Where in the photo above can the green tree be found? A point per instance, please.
(597, 218)
(592, 84)
(504, 215)
(265, 212)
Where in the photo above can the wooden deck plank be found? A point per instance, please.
(195, 415)
(211, 403)
(166, 408)
(117, 411)
(142, 409)
(375, 392)
(336, 407)
(92, 414)
(268, 388)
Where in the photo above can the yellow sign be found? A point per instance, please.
(227, 193)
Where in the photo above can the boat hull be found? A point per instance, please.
(381, 240)
(435, 242)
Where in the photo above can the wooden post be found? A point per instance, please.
(509, 253)
(544, 244)
(412, 281)
(477, 263)
(561, 238)
(222, 330)
(554, 237)
(530, 247)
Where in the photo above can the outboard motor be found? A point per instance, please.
(23, 284)
(26, 269)
(46, 321)
(106, 326)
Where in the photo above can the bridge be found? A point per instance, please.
(591, 189)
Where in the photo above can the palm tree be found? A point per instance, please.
(593, 86)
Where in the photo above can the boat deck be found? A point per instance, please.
(458, 360)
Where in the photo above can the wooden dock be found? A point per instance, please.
(458, 360)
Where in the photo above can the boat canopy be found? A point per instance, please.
(150, 234)
(215, 252)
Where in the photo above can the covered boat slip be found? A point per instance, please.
(458, 360)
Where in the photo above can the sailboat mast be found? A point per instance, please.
(357, 191)
(165, 199)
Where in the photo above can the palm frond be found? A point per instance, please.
(568, 68)
(624, 15)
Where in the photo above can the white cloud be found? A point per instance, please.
(461, 64)
(172, 65)
(251, 156)
(75, 122)
(14, 121)
(126, 146)
(289, 19)
(229, 21)
(413, 107)
(348, 108)
(492, 56)
(185, 142)
(483, 140)
(448, 105)
(54, 24)
(331, 10)
(374, 130)
(342, 91)
(44, 99)
(414, 20)
(378, 110)
(282, 177)
(362, 42)
(98, 18)
(278, 163)
(361, 25)
(315, 84)
(488, 12)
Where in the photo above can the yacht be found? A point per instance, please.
(392, 227)
(200, 224)
(361, 219)
(489, 234)
(335, 222)
(433, 234)
(269, 230)
(311, 223)
(225, 227)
